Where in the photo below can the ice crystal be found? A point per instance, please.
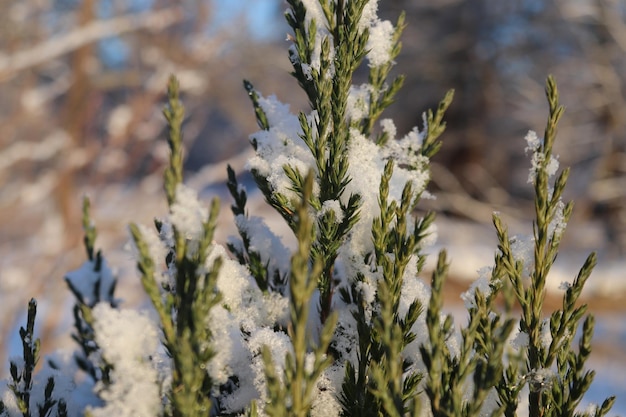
(538, 158)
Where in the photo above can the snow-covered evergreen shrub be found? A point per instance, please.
(345, 323)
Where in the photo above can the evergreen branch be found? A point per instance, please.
(46, 408)
(245, 255)
(434, 354)
(486, 346)
(567, 318)
(276, 200)
(435, 126)
(356, 398)
(194, 297)
(479, 357)
(99, 369)
(392, 387)
(300, 382)
(22, 379)
(302, 284)
(238, 193)
(389, 385)
(304, 41)
(174, 113)
(261, 117)
(182, 310)
(544, 256)
(22, 375)
(327, 88)
(147, 269)
(549, 394)
(277, 406)
(377, 348)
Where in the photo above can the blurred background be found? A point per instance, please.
(82, 85)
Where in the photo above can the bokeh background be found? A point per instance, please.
(82, 85)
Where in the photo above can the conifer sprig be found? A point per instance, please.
(293, 396)
(183, 310)
(324, 56)
(261, 117)
(434, 355)
(99, 369)
(327, 136)
(174, 113)
(477, 356)
(392, 385)
(328, 89)
(555, 388)
(381, 360)
(356, 396)
(435, 126)
(247, 255)
(23, 376)
(22, 383)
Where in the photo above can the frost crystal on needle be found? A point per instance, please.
(558, 223)
(538, 158)
(532, 141)
(389, 127)
(523, 249)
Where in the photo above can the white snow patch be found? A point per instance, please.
(127, 338)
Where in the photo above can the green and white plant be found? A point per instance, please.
(344, 323)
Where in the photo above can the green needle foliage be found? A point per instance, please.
(342, 324)
(83, 309)
(183, 307)
(480, 358)
(294, 396)
(23, 376)
(552, 367)
(265, 277)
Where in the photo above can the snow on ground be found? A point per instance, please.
(471, 246)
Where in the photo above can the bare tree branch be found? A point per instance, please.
(63, 44)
